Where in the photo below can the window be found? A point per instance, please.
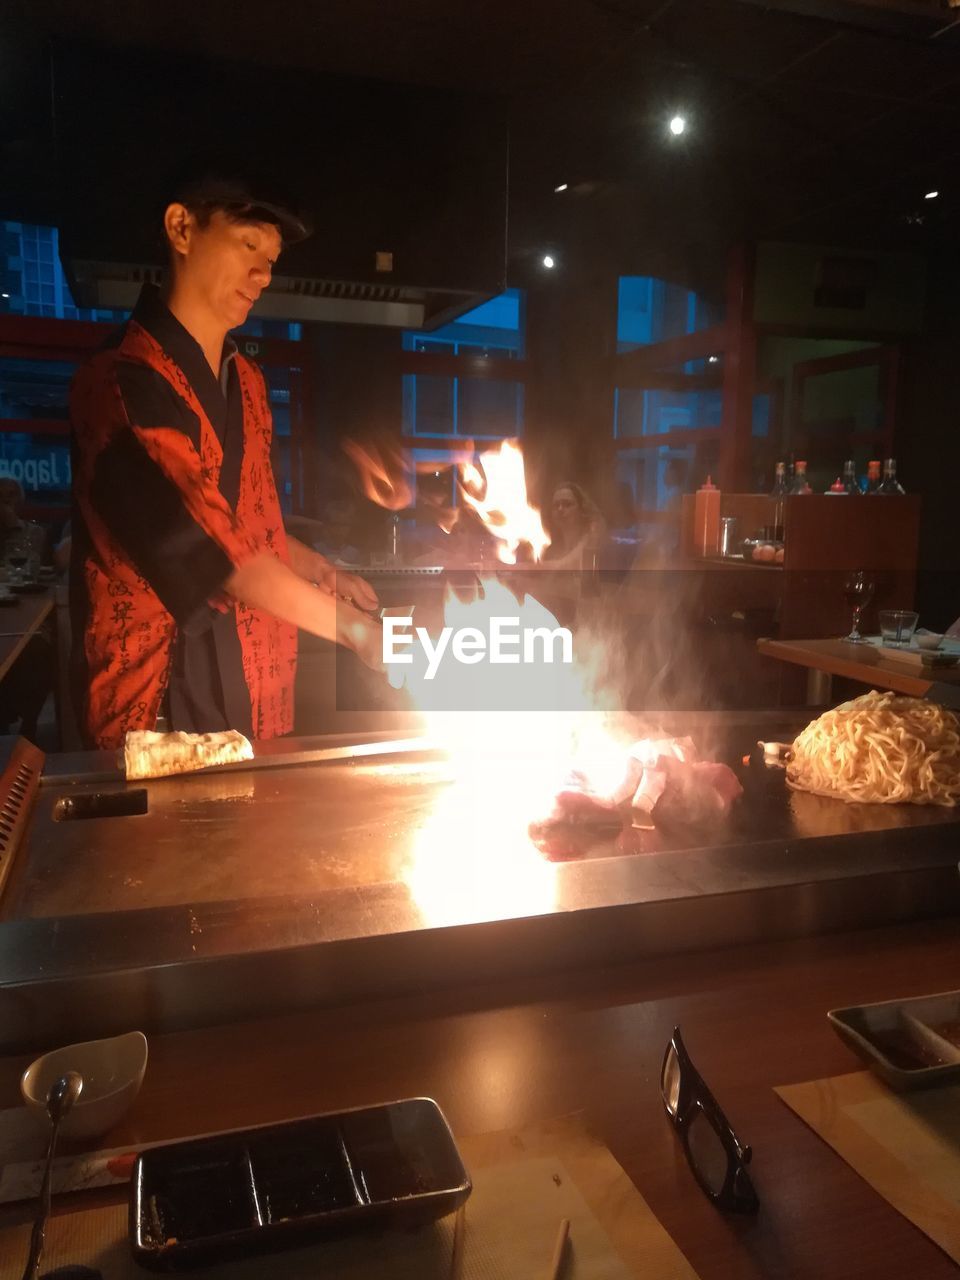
(667, 423)
(456, 405)
(284, 391)
(643, 412)
(651, 310)
(32, 282)
(256, 327)
(40, 462)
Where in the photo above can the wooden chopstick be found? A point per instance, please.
(559, 1249)
(456, 1258)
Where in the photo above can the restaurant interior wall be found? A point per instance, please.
(927, 442)
(836, 408)
(838, 290)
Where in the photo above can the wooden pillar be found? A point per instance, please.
(739, 373)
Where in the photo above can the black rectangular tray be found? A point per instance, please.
(206, 1200)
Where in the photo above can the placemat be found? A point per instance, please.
(906, 1145)
(524, 1184)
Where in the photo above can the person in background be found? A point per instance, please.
(25, 688)
(11, 504)
(186, 592)
(575, 526)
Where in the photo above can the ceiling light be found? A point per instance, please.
(931, 195)
(678, 125)
(562, 187)
(4, 295)
(712, 359)
(548, 261)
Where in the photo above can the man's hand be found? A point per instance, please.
(267, 583)
(354, 589)
(311, 565)
(359, 632)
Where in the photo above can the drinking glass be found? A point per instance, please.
(858, 591)
(897, 626)
(16, 553)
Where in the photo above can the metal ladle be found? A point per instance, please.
(63, 1094)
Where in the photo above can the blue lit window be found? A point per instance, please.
(33, 280)
(458, 406)
(651, 310)
(762, 409)
(255, 327)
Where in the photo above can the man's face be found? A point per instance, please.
(227, 264)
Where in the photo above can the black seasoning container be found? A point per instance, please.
(254, 1191)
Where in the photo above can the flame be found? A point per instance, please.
(498, 494)
(472, 859)
(382, 473)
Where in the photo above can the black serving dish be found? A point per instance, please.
(390, 1167)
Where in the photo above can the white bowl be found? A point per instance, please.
(928, 639)
(112, 1073)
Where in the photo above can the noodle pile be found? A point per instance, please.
(880, 749)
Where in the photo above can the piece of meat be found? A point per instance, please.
(649, 750)
(691, 794)
(576, 801)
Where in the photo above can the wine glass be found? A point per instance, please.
(858, 590)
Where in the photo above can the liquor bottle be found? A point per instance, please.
(850, 485)
(800, 483)
(890, 487)
(873, 476)
(778, 493)
(837, 489)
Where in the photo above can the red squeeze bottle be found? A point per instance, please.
(706, 520)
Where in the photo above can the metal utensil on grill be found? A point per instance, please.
(63, 1094)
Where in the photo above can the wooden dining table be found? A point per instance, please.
(515, 1054)
(19, 622)
(825, 659)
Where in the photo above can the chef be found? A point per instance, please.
(186, 593)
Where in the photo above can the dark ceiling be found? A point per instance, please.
(808, 119)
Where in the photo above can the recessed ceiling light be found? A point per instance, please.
(562, 187)
(548, 261)
(678, 125)
(712, 359)
(931, 195)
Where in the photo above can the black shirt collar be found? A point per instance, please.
(181, 346)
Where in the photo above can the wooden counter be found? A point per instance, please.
(861, 662)
(508, 1055)
(20, 621)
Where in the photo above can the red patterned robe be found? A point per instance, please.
(154, 537)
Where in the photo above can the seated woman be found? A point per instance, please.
(575, 526)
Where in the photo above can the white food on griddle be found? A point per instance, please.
(147, 754)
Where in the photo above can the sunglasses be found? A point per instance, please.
(715, 1154)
